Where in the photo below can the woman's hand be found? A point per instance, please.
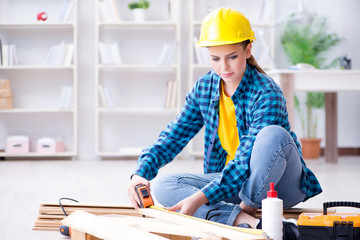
(136, 180)
(190, 204)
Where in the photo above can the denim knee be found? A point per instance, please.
(273, 134)
(162, 188)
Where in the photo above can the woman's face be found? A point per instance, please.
(229, 61)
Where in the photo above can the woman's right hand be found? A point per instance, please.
(136, 180)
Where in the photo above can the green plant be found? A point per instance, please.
(141, 4)
(307, 43)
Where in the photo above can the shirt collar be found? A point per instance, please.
(240, 89)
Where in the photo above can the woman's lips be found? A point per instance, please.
(226, 75)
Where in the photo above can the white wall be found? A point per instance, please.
(343, 17)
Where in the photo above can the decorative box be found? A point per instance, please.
(17, 144)
(50, 145)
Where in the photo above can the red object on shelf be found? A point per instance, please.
(42, 16)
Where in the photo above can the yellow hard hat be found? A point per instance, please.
(224, 26)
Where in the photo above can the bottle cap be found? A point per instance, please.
(272, 193)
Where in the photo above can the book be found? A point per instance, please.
(114, 10)
(61, 54)
(167, 54)
(1, 55)
(69, 55)
(108, 98)
(66, 11)
(170, 98)
(109, 53)
(5, 55)
(104, 12)
(169, 86)
(102, 96)
(114, 51)
(14, 60)
(266, 13)
(201, 54)
(65, 97)
(173, 95)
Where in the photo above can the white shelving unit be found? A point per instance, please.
(198, 64)
(135, 79)
(36, 85)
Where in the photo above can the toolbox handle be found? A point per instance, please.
(327, 205)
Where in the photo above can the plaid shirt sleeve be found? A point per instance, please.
(265, 108)
(172, 140)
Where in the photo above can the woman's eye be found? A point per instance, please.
(233, 57)
(215, 59)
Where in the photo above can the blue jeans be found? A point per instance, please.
(274, 158)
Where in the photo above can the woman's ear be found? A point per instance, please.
(248, 50)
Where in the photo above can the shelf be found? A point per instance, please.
(139, 87)
(140, 24)
(30, 110)
(37, 67)
(38, 91)
(123, 152)
(144, 111)
(36, 25)
(35, 154)
(138, 66)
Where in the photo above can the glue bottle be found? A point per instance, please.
(272, 214)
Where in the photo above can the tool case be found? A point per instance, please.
(332, 226)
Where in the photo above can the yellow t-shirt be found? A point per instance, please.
(228, 132)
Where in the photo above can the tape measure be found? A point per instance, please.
(144, 196)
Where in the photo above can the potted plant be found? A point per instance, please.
(138, 9)
(306, 43)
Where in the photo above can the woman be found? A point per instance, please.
(248, 142)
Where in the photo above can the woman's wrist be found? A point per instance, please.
(200, 198)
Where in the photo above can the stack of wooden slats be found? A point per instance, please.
(50, 214)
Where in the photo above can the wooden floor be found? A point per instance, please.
(25, 184)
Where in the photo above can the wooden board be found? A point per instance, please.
(130, 227)
(50, 215)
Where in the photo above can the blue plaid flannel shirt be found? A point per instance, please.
(258, 101)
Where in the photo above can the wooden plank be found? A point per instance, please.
(214, 229)
(99, 211)
(150, 225)
(105, 227)
(45, 229)
(50, 214)
(89, 205)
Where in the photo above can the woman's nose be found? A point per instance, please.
(224, 65)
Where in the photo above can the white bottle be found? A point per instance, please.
(272, 215)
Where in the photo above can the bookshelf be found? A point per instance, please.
(260, 14)
(135, 62)
(37, 84)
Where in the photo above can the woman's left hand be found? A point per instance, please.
(190, 204)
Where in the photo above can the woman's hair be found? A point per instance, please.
(251, 61)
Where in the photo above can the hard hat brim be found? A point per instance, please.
(220, 43)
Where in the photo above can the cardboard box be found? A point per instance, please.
(17, 144)
(4, 83)
(5, 93)
(50, 145)
(6, 103)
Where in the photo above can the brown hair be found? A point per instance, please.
(251, 60)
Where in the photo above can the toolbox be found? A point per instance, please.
(332, 226)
